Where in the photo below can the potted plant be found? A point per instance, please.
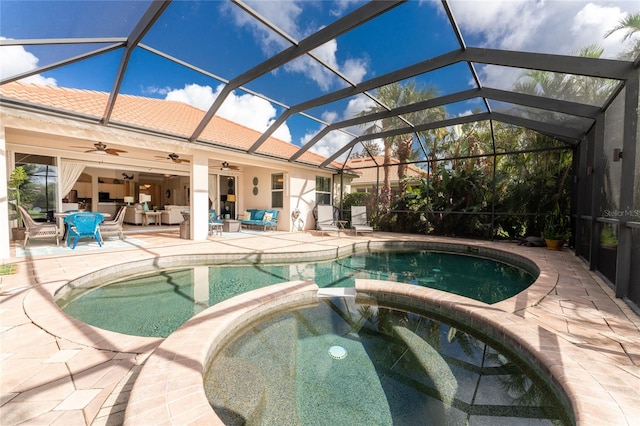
(556, 229)
(17, 178)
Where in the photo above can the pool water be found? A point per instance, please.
(343, 363)
(156, 304)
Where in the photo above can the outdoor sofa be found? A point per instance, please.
(260, 218)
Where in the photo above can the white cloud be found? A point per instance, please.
(335, 140)
(356, 105)
(330, 116)
(247, 110)
(16, 60)
(592, 22)
(287, 16)
(329, 144)
(557, 27)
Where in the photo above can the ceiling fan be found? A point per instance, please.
(227, 166)
(173, 157)
(100, 148)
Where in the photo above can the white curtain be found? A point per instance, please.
(213, 190)
(70, 171)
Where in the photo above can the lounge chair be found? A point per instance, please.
(359, 222)
(114, 227)
(326, 221)
(38, 230)
(84, 225)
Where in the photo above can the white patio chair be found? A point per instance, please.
(359, 222)
(38, 230)
(326, 222)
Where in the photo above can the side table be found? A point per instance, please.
(230, 225)
(155, 215)
(215, 228)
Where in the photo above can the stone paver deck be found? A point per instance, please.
(56, 370)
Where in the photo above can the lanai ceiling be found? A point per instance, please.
(316, 72)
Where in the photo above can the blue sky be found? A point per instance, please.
(222, 39)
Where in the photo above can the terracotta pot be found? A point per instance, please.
(554, 244)
(17, 234)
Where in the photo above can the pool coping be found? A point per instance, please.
(59, 324)
(170, 390)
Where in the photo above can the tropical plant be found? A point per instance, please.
(17, 179)
(630, 24)
(557, 226)
(607, 237)
(392, 96)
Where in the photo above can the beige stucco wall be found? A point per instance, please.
(36, 133)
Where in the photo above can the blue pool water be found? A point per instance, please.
(156, 304)
(343, 363)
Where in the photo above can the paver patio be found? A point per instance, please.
(54, 371)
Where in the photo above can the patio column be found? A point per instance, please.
(5, 248)
(199, 198)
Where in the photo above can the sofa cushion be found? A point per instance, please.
(268, 217)
(257, 215)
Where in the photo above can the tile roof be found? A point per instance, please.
(164, 116)
(366, 168)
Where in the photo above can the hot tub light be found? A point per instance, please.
(337, 352)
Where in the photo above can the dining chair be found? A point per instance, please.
(84, 225)
(114, 227)
(37, 230)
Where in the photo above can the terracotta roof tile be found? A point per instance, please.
(368, 175)
(156, 114)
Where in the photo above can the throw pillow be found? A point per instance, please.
(245, 216)
(268, 217)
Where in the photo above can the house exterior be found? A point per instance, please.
(371, 175)
(62, 133)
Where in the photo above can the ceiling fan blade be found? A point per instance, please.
(114, 151)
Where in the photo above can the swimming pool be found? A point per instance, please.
(343, 362)
(156, 303)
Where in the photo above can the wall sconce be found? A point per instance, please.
(617, 154)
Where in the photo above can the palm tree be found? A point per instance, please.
(393, 96)
(569, 87)
(630, 24)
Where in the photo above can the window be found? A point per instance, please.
(39, 192)
(277, 190)
(323, 190)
